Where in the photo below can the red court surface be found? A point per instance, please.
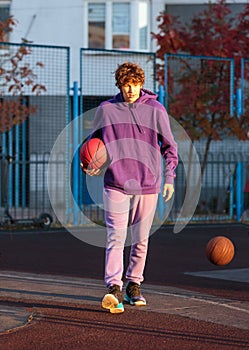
(51, 288)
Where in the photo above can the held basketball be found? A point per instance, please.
(93, 154)
(220, 250)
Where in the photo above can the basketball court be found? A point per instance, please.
(51, 288)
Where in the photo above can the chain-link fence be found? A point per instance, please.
(203, 95)
(97, 83)
(97, 68)
(37, 106)
(34, 79)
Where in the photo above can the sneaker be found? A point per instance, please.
(133, 295)
(113, 300)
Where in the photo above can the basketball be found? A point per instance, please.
(220, 250)
(93, 154)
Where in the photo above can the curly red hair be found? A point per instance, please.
(129, 72)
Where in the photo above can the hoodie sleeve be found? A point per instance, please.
(97, 124)
(168, 146)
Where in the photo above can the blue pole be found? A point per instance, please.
(10, 174)
(68, 148)
(161, 202)
(161, 94)
(4, 144)
(242, 84)
(166, 79)
(76, 162)
(231, 196)
(239, 102)
(24, 155)
(4, 153)
(239, 190)
(232, 94)
(17, 165)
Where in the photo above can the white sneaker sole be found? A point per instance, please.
(136, 303)
(111, 302)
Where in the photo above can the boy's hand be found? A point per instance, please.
(168, 190)
(90, 172)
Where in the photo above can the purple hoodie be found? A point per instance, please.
(136, 136)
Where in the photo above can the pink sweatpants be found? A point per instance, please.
(122, 210)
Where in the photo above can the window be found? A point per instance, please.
(96, 25)
(117, 24)
(143, 25)
(121, 25)
(4, 15)
(4, 11)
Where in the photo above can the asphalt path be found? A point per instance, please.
(51, 288)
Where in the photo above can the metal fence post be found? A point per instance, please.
(161, 202)
(24, 164)
(239, 190)
(10, 169)
(76, 163)
(242, 84)
(231, 196)
(17, 165)
(239, 102)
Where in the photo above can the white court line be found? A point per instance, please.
(200, 299)
(50, 280)
(8, 311)
(55, 280)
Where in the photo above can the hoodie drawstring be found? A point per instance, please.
(132, 109)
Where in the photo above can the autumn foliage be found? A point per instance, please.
(16, 75)
(199, 89)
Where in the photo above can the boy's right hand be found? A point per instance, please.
(90, 172)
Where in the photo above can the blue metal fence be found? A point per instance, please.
(30, 143)
(177, 66)
(214, 83)
(97, 84)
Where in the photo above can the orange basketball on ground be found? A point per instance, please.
(93, 154)
(220, 250)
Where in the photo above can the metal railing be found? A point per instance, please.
(25, 190)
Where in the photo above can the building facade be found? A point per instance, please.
(111, 24)
(124, 25)
(96, 24)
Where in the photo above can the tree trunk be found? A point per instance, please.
(204, 161)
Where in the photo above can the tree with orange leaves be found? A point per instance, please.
(15, 75)
(199, 94)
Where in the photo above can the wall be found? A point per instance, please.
(54, 22)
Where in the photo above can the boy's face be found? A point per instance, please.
(131, 92)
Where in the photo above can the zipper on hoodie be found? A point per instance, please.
(132, 108)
